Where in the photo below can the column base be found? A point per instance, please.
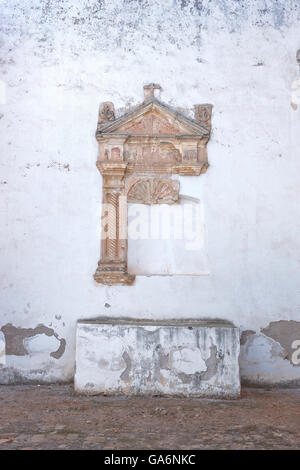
(110, 273)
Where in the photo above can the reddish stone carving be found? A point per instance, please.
(151, 124)
(115, 153)
(203, 114)
(106, 113)
(137, 154)
(150, 89)
(154, 191)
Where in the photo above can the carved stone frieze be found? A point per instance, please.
(138, 153)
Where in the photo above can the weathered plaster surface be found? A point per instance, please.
(59, 60)
(285, 333)
(25, 354)
(182, 358)
(279, 346)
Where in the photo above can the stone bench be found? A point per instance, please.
(172, 357)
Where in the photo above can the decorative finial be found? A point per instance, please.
(202, 113)
(106, 113)
(149, 90)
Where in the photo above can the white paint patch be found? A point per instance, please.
(41, 344)
(2, 349)
(188, 360)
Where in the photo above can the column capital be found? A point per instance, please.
(112, 168)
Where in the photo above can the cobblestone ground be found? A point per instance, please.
(52, 417)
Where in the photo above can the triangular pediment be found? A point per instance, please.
(153, 118)
(151, 123)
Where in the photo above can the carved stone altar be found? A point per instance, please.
(138, 154)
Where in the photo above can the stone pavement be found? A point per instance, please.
(52, 417)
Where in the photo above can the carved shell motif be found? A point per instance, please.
(154, 191)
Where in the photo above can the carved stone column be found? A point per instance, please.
(112, 267)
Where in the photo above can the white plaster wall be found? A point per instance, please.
(59, 61)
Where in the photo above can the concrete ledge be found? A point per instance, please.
(141, 357)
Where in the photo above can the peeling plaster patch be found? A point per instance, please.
(15, 339)
(285, 333)
(258, 346)
(125, 374)
(245, 335)
(164, 359)
(60, 351)
(211, 364)
(294, 106)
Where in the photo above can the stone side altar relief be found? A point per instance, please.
(138, 154)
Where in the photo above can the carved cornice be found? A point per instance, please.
(111, 169)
